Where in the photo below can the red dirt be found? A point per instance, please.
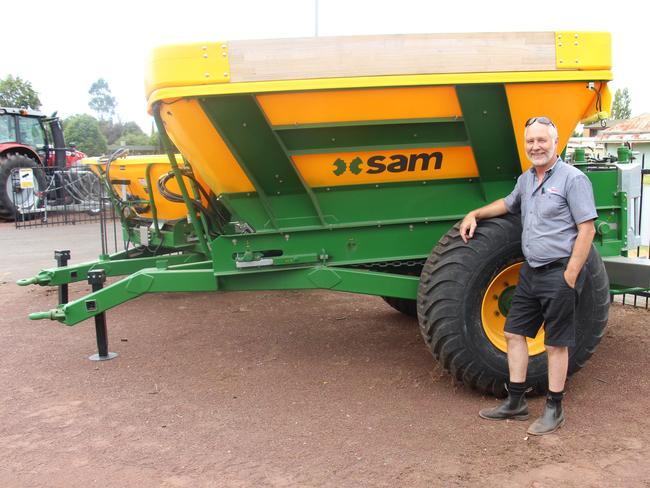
(281, 389)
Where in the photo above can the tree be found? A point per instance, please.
(101, 100)
(118, 132)
(131, 139)
(621, 106)
(131, 128)
(154, 140)
(83, 130)
(16, 92)
(112, 131)
(132, 135)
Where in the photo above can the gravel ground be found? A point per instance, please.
(283, 389)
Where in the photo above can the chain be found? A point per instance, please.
(413, 263)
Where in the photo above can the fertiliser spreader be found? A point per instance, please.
(340, 163)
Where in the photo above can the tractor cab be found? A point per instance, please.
(25, 127)
(41, 137)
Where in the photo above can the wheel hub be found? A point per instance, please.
(505, 300)
(496, 305)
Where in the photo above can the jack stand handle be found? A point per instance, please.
(62, 258)
(96, 278)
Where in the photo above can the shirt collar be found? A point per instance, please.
(549, 171)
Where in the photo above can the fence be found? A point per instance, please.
(53, 196)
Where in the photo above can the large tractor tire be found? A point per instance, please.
(403, 305)
(464, 296)
(14, 200)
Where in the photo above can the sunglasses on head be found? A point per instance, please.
(541, 120)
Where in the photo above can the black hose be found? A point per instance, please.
(177, 198)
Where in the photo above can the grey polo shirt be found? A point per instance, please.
(550, 211)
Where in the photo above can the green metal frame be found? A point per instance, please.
(200, 277)
(118, 264)
(152, 202)
(318, 138)
(191, 210)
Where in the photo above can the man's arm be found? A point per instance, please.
(580, 252)
(469, 223)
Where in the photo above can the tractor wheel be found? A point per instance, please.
(464, 297)
(403, 305)
(13, 199)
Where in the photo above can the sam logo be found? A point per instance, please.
(355, 166)
(397, 163)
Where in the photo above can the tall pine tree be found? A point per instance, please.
(621, 106)
(102, 100)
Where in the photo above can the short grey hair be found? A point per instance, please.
(552, 130)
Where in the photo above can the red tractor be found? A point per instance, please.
(29, 140)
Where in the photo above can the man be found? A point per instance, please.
(557, 210)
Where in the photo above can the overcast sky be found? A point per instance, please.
(63, 47)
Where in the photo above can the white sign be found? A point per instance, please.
(26, 178)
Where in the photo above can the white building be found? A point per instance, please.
(634, 132)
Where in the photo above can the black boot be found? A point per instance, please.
(514, 407)
(552, 418)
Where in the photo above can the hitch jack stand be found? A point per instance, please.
(96, 278)
(62, 258)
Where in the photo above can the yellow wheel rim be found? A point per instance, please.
(495, 306)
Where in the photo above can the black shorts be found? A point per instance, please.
(543, 296)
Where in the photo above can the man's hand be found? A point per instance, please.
(570, 277)
(469, 223)
(468, 226)
(581, 248)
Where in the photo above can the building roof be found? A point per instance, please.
(636, 129)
